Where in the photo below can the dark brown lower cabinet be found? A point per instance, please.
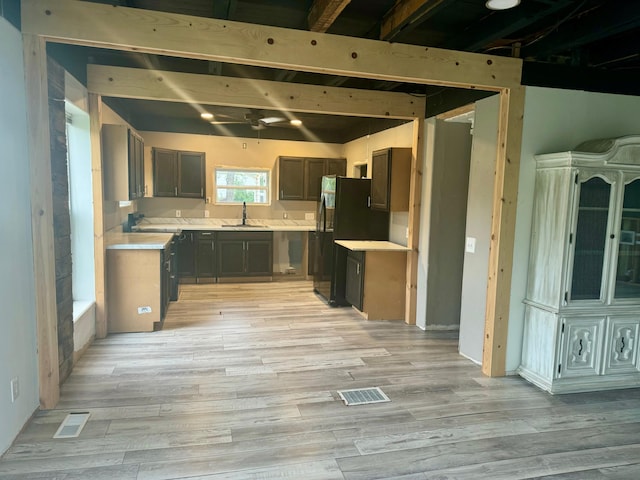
(186, 251)
(245, 254)
(355, 279)
(206, 257)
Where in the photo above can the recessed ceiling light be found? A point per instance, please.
(502, 4)
(207, 115)
(296, 122)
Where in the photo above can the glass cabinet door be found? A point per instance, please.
(628, 262)
(590, 239)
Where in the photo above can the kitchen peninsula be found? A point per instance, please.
(139, 280)
(376, 278)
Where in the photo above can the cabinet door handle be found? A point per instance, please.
(281, 194)
(369, 201)
(201, 192)
(212, 246)
(175, 191)
(358, 269)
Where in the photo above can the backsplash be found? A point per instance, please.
(196, 208)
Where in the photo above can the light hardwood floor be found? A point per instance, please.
(241, 384)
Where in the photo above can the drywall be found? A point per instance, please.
(449, 178)
(359, 151)
(478, 227)
(556, 120)
(234, 152)
(18, 355)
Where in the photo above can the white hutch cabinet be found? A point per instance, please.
(582, 308)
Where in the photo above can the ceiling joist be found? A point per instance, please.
(145, 31)
(324, 12)
(195, 89)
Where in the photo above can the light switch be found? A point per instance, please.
(309, 216)
(470, 245)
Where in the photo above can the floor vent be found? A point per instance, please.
(363, 396)
(72, 425)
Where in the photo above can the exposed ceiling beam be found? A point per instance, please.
(408, 14)
(121, 82)
(601, 23)
(324, 12)
(145, 31)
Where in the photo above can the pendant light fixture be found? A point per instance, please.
(502, 4)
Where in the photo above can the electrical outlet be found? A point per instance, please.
(206, 214)
(285, 215)
(142, 310)
(178, 213)
(309, 216)
(15, 389)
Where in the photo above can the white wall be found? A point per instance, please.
(554, 121)
(478, 226)
(18, 357)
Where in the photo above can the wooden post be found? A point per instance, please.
(95, 119)
(505, 194)
(35, 65)
(415, 192)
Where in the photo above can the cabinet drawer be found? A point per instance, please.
(245, 236)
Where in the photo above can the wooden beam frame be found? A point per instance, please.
(197, 89)
(35, 66)
(503, 223)
(121, 28)
(415, 202)
(323, 13)
(95, 123)
(145, 31)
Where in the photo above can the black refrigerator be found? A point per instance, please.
(344, 213)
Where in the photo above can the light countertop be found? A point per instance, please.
(176, 225)
(372, 246)
(137, 241)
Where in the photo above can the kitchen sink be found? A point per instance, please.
(246, 225)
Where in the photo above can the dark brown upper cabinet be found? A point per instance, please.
(123, 158)
(390, 176)
(178, 174)
(300, 178)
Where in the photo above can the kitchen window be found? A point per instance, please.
(237, 185)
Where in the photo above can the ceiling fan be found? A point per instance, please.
(256, 118)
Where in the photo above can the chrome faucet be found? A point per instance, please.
(244, 213)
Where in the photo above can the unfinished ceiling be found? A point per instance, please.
(576, 44)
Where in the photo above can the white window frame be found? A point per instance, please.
(241, 169)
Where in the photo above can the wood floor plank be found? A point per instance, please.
(242, 381)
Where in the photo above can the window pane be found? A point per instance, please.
(591, 235)
(628, 265)
(237, 186)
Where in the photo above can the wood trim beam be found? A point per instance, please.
(324, 12)
(503, 222)
(130, 29)
(35, 65)
(415, 202)
(457, 111)
(95, 122)
(199, 90)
